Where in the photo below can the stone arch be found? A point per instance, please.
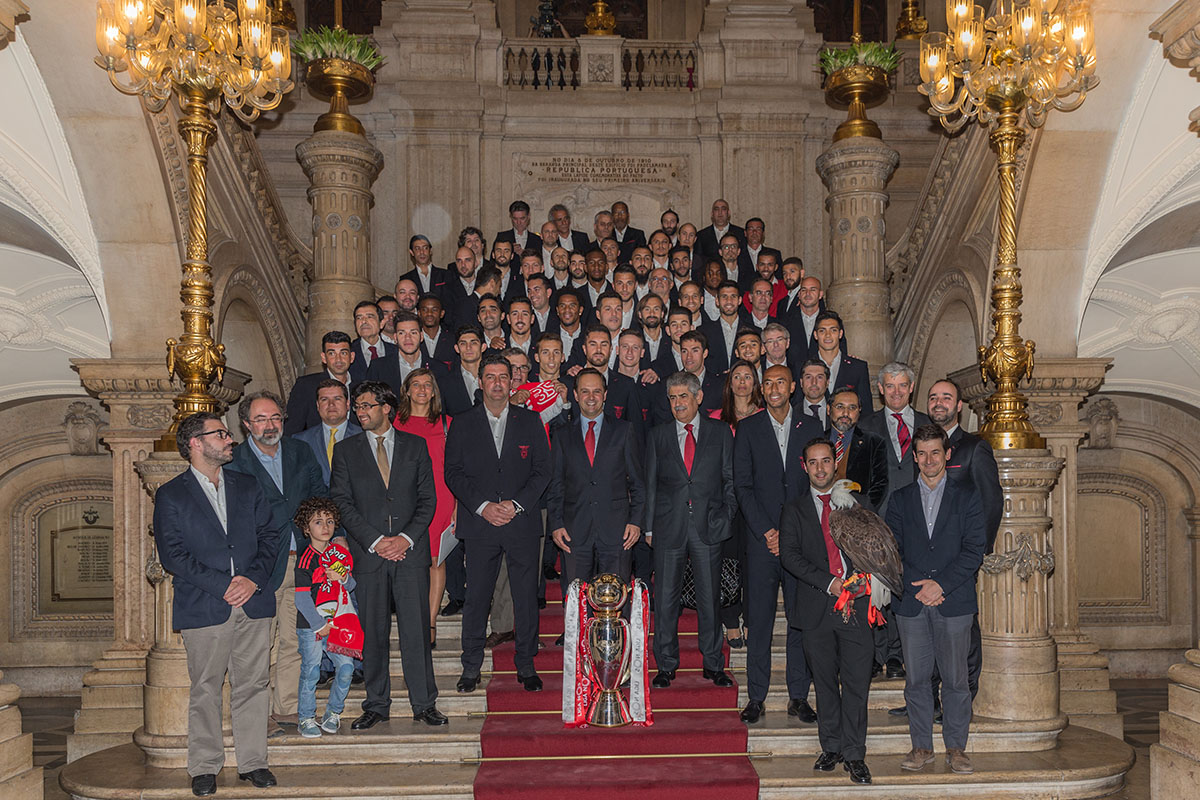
(257, 317)
(953, 290)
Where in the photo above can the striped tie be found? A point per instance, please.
(839, 448)
(903, 438)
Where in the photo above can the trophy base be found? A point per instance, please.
(609, 710)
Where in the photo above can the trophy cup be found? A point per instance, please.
(608, 647)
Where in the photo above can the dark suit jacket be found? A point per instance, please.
(196, 551)
(952, 556)
(676, 501)
(712, 387)
(866, 462)
(475, 474)
(453, 293)
(302, 479)
(314, 437)
(971, 457)
(802, 552)
(634, 238)
(455, 399)
(764, 482)
(533, 242)
(579, 242)
(853, 372)
(444, 352)
(302, 402)
(765, 249)
(438, 276)
(718, 356)
(359, 366)
(900, 473)
(596, 499)
(706, 241)
(388, 369)
(370, 510)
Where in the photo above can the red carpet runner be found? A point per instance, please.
(543, 735)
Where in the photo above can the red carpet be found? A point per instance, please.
(673, 733)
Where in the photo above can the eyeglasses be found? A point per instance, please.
(366, 406)
(221, 434)
(276, 418)
(729, 246)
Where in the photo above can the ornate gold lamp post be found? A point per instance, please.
(206, 55)
(1024, 60)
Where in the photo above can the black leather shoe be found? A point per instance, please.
(550, 572)
(663, 679)
(801, 709)
(752, 712)
(895, 669)
(431, 716)
(827, 761)
(368, 720)
(532, 683)
(858, 771)
(204, 785)
(260, 778)
(559, 641)
(325, 679)
(451, 608)
(466, 683)
(902, 711)
(719, 677)
(356, 678)
(876, 670)
(541, 602)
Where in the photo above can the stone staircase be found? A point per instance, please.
(402, 759)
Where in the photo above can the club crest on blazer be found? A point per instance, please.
(524, 448)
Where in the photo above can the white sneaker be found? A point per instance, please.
(308, 729)
(330, 722)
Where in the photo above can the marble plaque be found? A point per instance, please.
(80, 540)
(601, 170)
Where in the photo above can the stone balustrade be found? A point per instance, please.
(556, 64)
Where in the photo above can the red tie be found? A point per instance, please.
(839, 450)
(689, 449)
(831, 549)
(374, 355)
(589, 442)
(902, 435)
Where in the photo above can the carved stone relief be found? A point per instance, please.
(83, 425)
(1103, 418)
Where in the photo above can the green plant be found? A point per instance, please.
(871, 54)
(324, 42)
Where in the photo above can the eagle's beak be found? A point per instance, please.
(854, 487)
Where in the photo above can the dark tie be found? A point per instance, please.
(902, 435)
(831, 549)
(689, 449)
(816, 410)
(589, 442)
(374, 354)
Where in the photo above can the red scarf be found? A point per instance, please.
(334, 604)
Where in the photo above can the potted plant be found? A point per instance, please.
(338, 65)
(856, 76)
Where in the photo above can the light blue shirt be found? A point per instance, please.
(272, 464)
(583, 425)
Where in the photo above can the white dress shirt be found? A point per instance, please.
(893, 427)
(424, 278)
(431, 343)
(366, 349)
(810, 322)
(498, 426)
(710, 305)
(822, 409)
(568, 339)
(389, 446)
(654, 345)
(681, 433)
(782, 430)
(470, 381)
(834, 368)
(520, 239)
(729, 333)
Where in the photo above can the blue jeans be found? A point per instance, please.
(311, 651)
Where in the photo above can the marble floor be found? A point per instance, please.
(50, 720)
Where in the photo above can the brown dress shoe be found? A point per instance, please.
(916, 759)
(494, 639)
(959, 762)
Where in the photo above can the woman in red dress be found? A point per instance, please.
(420, 414)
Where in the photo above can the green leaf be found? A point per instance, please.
(872, 54)
(325, 42)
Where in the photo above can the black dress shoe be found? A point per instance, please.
(858, 771)
(802, 710)
(325, 679)
(204, 785)
(451, 608)
(827, 761)
(719, 677)
(260, 778)
(895, 669)
(559, 641)
(876, 670)
(532, 683)
(431, 716)
(663, 679)
(550, 572)
(356, 678)
(466, 684)
(901, 711)
(541, 602)
(368, 720)
(752, 712)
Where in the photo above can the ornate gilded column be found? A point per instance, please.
(856, 171)
(18, 776)
(341, 166)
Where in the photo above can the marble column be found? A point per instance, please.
(1057, 390)
(856, 171)
(341, 167)
(19, 778)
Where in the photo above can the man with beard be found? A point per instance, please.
(624, 284)
(709, 238)
(461, 285)
(520, 325)
(860, 456)
(407, 293)
(288, 473)
(626, 236)
(642, 262)
(791, 273)
(388, 306)
(502, 254)
(748, 347)
(668, 223)
(437, 341)
(681, 267)
(738, 267)
(722, 331)
(650, 311)
(431, 279)
(472, 238)
(490, 318)
(336, 357)
(670, 359)
(766, 267)
(813, 399)
(549, 245)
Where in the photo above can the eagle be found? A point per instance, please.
(869, 542)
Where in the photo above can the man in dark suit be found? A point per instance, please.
(437, 342)
(460, 383)
(690, 501)
(895, 422)
(430, 279)
(756, 232)
(738, 266)
(409, 355)
(498, 466)
(708, 239)
(574, 241)
(768, 471)
(844, 370)
(523, 240)
(693, 352)
(370, 344)
(626, 235)
(382, 482)
(288, 473)
(799, 309)
(216, 536)
(333, 401)
(596, 500)
(337, 357)
(838, 647)
(941, 534)
(860, 456)
(722, 331)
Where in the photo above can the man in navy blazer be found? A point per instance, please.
(370, 344)
(498, 466)
(216, 536)
(597, 495)
(768, 471)
(336, 357)
(430, 279)
(691, 503)
(844, 370)
(333, 402)
(941, 535)
(288, 473)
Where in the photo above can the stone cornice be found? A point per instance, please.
(1058, 387)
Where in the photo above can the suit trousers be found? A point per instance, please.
(930, 640)
(456, 575)
(501, 618)
(763, 577)
(887, 638)
(285, 650)
(669, 563)
(522, 555)
(734, 547)
(241, 647)
(839, 655)
(596, 557)
(406, 589)
(974, 662)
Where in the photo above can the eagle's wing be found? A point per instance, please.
(866, 538)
